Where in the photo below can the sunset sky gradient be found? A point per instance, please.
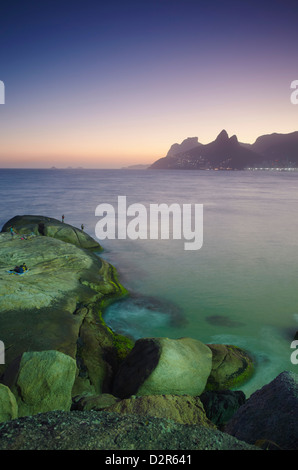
(108, 84)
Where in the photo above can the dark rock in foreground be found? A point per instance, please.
(80, 430)
(270, 415)
(220, 406)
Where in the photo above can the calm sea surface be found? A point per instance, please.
(240, 288)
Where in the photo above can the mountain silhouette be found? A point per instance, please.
(227, 153)
(275, 146)
(187, 144)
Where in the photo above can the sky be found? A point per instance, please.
(106, 84)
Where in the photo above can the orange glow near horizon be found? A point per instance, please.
(54, 129)
(122, 94)
(137, 138)
(87, 151)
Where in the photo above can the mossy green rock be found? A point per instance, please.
(43, 382)
(56, 305)
(8, 404)
(231, 367)
(50, 227)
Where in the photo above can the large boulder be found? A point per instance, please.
(8, 404)
(47, 226)
(231, 367)
(56, 305)
(181, 409)
(42, 381)
(163, 366)
(270, 415)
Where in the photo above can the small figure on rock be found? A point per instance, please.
(21, 269)
(62, 218)
(82, 226)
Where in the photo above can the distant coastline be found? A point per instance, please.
(136, 167)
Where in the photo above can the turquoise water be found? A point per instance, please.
(239, 288)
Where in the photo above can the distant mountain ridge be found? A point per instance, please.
(227, 153)
(187, 144)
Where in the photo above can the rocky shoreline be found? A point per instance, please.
(70, 382)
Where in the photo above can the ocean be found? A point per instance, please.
(239, 288)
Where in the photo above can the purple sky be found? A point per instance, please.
(108, 84)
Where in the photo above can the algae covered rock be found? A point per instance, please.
(231, 367)
(55, 305)
(43, 381)
(50, 227)
(162, 366)
(8, 404)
